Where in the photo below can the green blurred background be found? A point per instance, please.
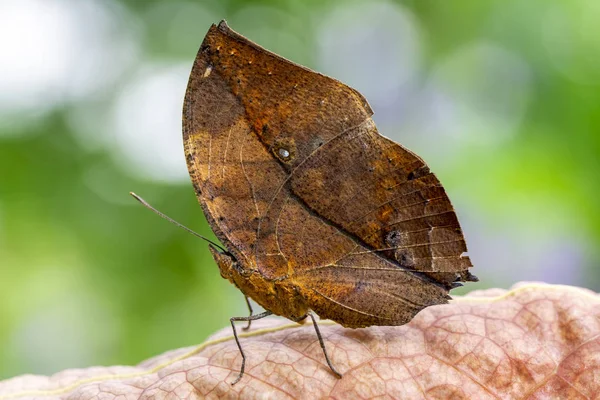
(501, 98)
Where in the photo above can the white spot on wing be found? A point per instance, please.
(284, 153)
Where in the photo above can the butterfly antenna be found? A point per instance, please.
(171, 220)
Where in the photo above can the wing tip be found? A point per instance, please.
(223, 25)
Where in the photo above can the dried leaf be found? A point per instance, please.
(535, 341)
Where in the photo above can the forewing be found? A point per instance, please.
(242, 106)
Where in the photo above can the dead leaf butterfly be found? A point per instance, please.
(316, 210)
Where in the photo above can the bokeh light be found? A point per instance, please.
(501, 98)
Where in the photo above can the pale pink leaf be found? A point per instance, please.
(535, 341)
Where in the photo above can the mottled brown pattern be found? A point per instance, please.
(318, 211)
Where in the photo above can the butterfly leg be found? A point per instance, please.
(322, 343)
(250, 318)
(250, 315)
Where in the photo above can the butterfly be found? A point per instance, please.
(317, 212)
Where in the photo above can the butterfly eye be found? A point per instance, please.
(283, 153)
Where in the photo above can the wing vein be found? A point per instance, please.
(225, 152)
(248, 179)
(350, 308)
(409, 247)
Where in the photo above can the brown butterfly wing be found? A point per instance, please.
(241, 104)
(385, 196)
(299, 186)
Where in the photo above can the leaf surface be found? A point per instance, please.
(535, 341)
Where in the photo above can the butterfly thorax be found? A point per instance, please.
(280, 296)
